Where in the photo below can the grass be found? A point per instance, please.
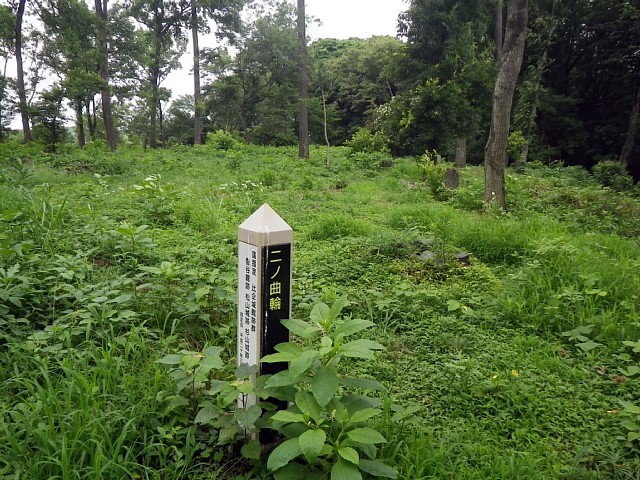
(516, 363)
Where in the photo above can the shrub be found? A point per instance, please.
(372, 160)
(221, 140)
(331, 226)
(612, 174)
(363, 141)
(433, 173)
(515, 144)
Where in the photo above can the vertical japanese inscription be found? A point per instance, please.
(248, 294)
(276, 301)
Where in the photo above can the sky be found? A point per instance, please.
(338, 19)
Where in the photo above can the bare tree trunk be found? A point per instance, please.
(154, 101)
(497, 32)
(91, 124)
(197, 95)
(22, 94)
(303, 85)
(461, 153)
(3, 89)
(326, 134)
(629, 142)
(107, 115)
(495, 154)
(80, 124)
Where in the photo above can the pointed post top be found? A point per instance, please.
(265, 227)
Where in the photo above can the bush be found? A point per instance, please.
(515, 144)
(363, 141)
(433, 173)
(332, 226)
(612, 174)
(221, 140)
(372, 160)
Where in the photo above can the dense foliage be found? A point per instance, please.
(117, 318)
(577, 98)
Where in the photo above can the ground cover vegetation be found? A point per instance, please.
(117, 318)
(442, 328)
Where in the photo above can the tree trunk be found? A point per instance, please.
(497, 32)
(80, 124)
(107, 115)
(495, 154)
(461, 153)
(3, 89)
(154, 100)
(629, 142)
(197, 95)
(326, 133)
(22, 94)
(91, 123)
(303, 85)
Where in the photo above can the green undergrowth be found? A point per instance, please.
(511, 339)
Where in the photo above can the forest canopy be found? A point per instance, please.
(430, 87)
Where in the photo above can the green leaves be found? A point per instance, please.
(324, 422)
(366, 435)
(360, 349)
(283, 454)
(344, 470)
(311, 443)
(324, 385)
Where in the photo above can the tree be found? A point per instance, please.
(356, 77)
(448, 71)
(303, 84)
(7, 23)
(495, 160)
(226, 15)
(22, 95)
(627, 148)
(101, 9)
(165, 21)
(255, 91)
(70, 51)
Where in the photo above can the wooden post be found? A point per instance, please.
(264, 289)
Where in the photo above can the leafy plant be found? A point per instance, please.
(326, 428)
(433, 172)
(221, 140)
(612, 173)
(363, 141)
(157, 198)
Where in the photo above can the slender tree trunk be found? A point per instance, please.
(91, 124)
(495, 154)
(498, 31)
(197, 95)
(461, 153)
(629, 142)
(326, 133)
(22, 94)
(3, 89)
(107, 115)
(155, 96)
(303, 85)
(80, 124)
(161, 124)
